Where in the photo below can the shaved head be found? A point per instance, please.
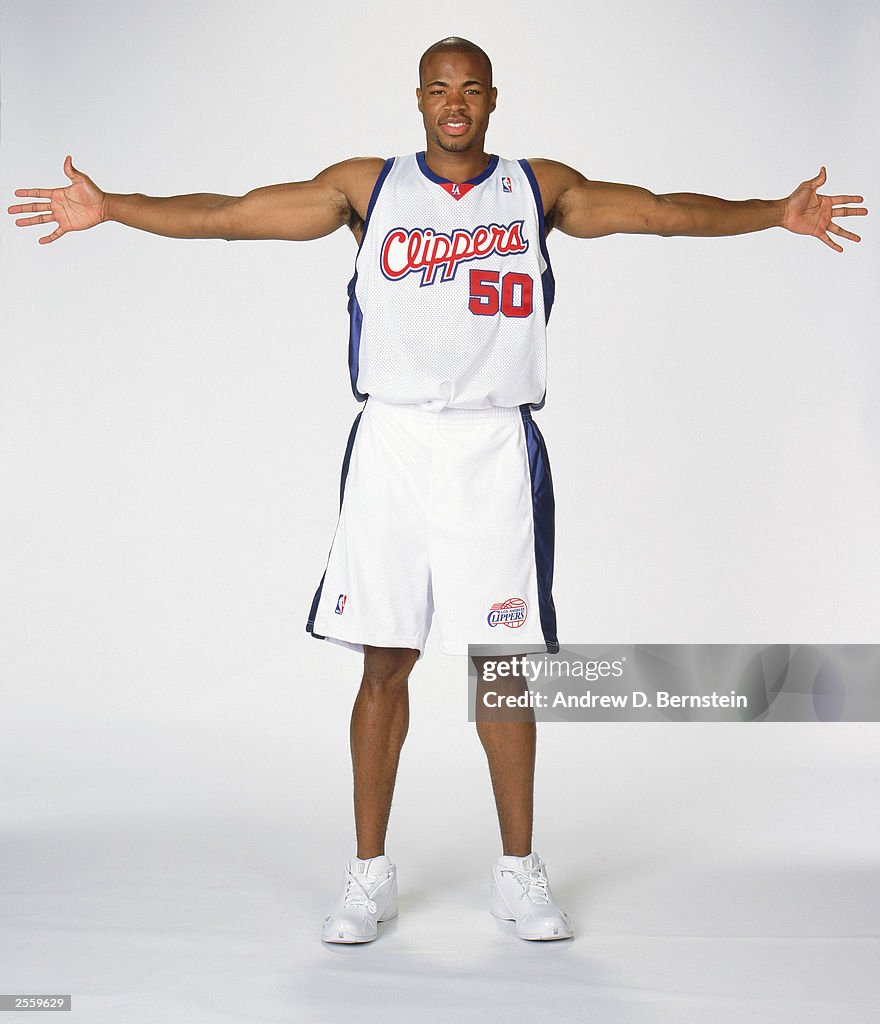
(455, 44)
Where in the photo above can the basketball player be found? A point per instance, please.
(447, 504)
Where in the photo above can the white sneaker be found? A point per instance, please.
(520, 892)
(369, 895)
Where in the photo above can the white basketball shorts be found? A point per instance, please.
(446, 514)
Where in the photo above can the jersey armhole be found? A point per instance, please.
(536, 192)
(374, 195)
(548, 283)
(542, 227)
(355, 313)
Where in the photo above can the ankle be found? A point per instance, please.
(369, 852)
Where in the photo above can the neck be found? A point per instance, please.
(456, 166)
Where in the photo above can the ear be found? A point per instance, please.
(494, 95)
(419, 98)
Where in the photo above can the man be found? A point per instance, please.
(446, 507)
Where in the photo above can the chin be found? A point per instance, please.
(458, 145)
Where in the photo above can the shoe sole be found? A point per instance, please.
(569, 934)
(348, 938)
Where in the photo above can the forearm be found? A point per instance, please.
(686, 213)
(201, 215)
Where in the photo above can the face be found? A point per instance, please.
(455, 100)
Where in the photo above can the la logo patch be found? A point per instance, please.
(456, 190)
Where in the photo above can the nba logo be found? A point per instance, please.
(506, 184)
(340, 604)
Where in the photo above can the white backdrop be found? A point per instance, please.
(174, 415)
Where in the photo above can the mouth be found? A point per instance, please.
(455, 127)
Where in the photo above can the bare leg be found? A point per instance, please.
(509, 739)
(379, 723)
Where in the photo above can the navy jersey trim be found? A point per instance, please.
(355, 322)
(548, 282)
(355, 314)
(383, 174)
(431, 176)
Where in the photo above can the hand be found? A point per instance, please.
(808, 213)
(78, 206)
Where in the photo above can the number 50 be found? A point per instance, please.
(513, 298)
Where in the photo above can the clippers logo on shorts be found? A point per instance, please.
(511, 613)
(425, 251)
(340, 604)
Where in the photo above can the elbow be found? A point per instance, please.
(228, 217)
(664, 218)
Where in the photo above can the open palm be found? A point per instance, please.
(808, 213)
(78, 206)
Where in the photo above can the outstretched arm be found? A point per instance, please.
(589, 209)
(297, 211)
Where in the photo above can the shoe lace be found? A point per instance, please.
(357, 895)
(534, 883)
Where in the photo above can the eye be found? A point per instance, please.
(436, 92)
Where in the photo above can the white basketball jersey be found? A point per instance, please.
(452, 289)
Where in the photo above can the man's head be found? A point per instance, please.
(455, 94)
(455, 44)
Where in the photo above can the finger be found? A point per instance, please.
(37, 193)
(57, 233)
(30, 208)
(845, 199)
(26, 222)
(843, 233)
(827, 241)
(849, 211)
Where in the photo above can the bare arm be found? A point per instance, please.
(589, 209)
(296, 211)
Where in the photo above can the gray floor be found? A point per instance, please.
(178, 868)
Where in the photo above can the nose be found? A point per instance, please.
(455, 100)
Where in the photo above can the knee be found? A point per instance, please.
(388, 674)
(385, 680)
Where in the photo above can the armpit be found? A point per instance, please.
(356, 226)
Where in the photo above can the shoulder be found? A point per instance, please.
(555, 173)
(554, 180)
(355, 179)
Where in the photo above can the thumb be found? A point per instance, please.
(71, 171)
(819, 179)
